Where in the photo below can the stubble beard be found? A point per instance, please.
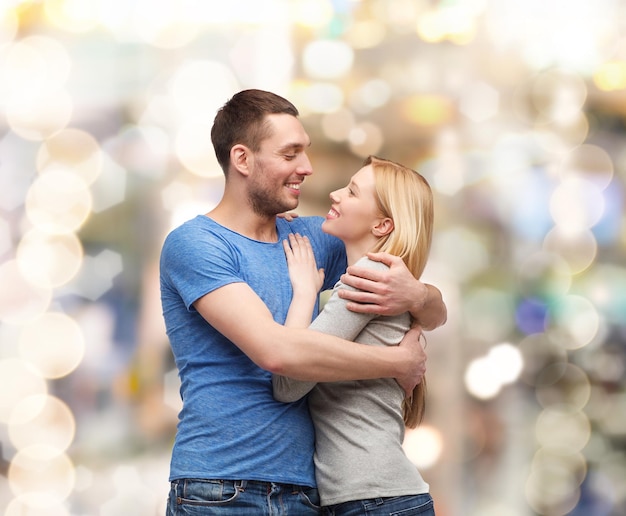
(264, 200)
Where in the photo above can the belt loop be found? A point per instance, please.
(240, 485)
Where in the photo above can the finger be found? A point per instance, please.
(386, 258)
(366, 284)
(364, 273)
(288, 250)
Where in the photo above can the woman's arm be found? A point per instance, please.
(306, 281)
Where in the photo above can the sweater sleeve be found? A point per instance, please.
(335, 319)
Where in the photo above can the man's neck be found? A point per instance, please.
(244, 221)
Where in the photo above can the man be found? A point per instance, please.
(225, 291)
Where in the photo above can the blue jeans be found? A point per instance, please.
(421, 505)
(194, 497)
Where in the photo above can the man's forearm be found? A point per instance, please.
(433, 312)
(313, 356)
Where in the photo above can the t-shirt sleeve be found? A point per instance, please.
(196, 263)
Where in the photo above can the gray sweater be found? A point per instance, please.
(358, 424)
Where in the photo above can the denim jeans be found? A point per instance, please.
(193, 497)
(421, 505)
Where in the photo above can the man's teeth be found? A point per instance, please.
(295, 186)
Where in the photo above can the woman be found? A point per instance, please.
(361, 467)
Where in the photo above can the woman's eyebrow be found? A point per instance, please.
(354, 186)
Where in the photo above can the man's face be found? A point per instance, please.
(280, 167)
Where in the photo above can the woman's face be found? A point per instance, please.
(353, 212)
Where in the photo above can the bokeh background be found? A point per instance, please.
(514, 111)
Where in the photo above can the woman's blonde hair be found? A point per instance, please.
(404, 195)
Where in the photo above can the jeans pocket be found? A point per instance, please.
(310, 496)
(207, 492)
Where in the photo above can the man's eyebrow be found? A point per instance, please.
(294, 146)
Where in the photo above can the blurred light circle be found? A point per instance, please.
(49, 260)
(613, 422)
(53, 343)
(570, 462)
(42, 473)
(544, 275)
(507, 360)
(194, 150)
(72, 150)
(560, 429)
(563, 384)
(577, 248)
(423, 446)
(610, 76)
(338, 124)
(479, 101)
(34, 65)
(58, 202)
(311, 13)
(560, 139)
(576, 204)
(462, 249)
(26, 505)
(366, 33)
(539, 352)
(371, 95)
(428, 110)
(577, 318)
(6, 241)
(558, 95)
(38, 115)
(605, 286)
(72, 15)
(366, 138)
(589, 162)
(20, 299)
(321, 98)
(41, 420)
(326, 59)
(552, 488)
(164, 24)
(607, 366)
(488, 313)
(9, 24)
(530, 315)
(199, 89)
(481, 379)
(19, 381)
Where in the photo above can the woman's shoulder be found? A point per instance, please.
(367, 263)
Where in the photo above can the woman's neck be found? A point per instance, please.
(356, 250)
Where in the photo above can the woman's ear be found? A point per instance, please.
(383, 227)
(239, 158)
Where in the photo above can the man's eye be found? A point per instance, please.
(289, 157)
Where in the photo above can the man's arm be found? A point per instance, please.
(394, 291)
(301, 353)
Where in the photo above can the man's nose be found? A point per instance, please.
(305, 168)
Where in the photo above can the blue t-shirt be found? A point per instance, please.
(230, 426)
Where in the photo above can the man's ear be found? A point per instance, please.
(240, 158)
(383, 227)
